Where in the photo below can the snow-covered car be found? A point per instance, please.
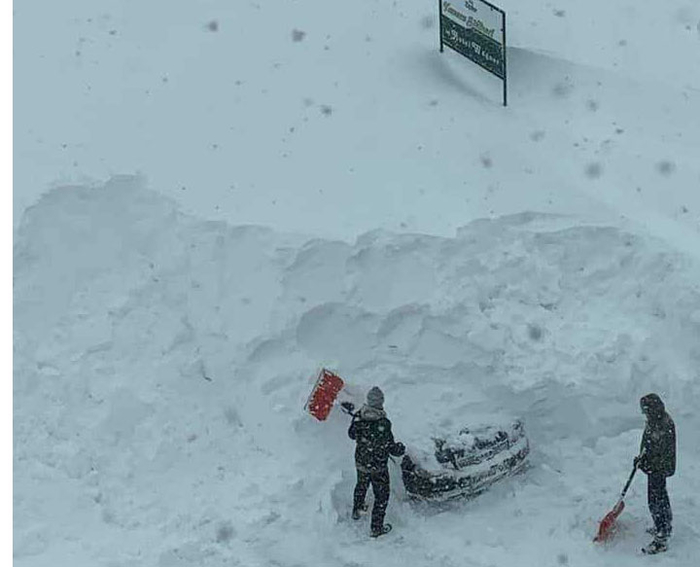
(467, 463)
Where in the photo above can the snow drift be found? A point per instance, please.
(162, 362)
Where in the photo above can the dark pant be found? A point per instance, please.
(659, 505)
(380, 486)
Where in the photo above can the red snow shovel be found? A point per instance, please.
(607, 525)
(324, 393)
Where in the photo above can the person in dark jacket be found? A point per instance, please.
(371, 430)
(658, 460)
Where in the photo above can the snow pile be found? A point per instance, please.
(161, 364)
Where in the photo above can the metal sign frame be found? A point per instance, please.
(472, 40)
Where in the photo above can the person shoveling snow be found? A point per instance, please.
(371, 430)
(658, 462)
(657, 459)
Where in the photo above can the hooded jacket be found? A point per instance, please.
(658, 440)
(371, 430)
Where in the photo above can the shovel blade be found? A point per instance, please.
(607, 525)
(324, 393)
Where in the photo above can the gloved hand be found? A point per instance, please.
(637, 461)
(398, 449)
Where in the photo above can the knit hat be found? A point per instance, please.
(375, 398)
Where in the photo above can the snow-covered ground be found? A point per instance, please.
(321, 187)
(162, 363)
(361, 122)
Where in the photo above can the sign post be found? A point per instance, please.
(477, 30)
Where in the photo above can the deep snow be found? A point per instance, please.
(361, 123)
(162, 362)
(330, 190)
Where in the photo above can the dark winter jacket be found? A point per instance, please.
(659, 439)
(375, 442)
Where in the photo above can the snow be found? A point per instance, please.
(319, 186)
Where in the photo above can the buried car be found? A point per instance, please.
(465, 464)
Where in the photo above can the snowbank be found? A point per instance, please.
(161, 364)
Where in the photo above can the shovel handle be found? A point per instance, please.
(627, 485)
(634, 470)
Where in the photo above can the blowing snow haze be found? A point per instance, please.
(214, 200)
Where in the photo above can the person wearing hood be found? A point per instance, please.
(658, 461)
(371, 430)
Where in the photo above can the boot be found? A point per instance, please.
(385, 529)
(658, 545)
(357, 512)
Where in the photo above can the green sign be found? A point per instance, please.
(477, 30)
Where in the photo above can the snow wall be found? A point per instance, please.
(162, 363)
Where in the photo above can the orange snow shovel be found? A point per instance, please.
(607, 525)
(324, 393)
